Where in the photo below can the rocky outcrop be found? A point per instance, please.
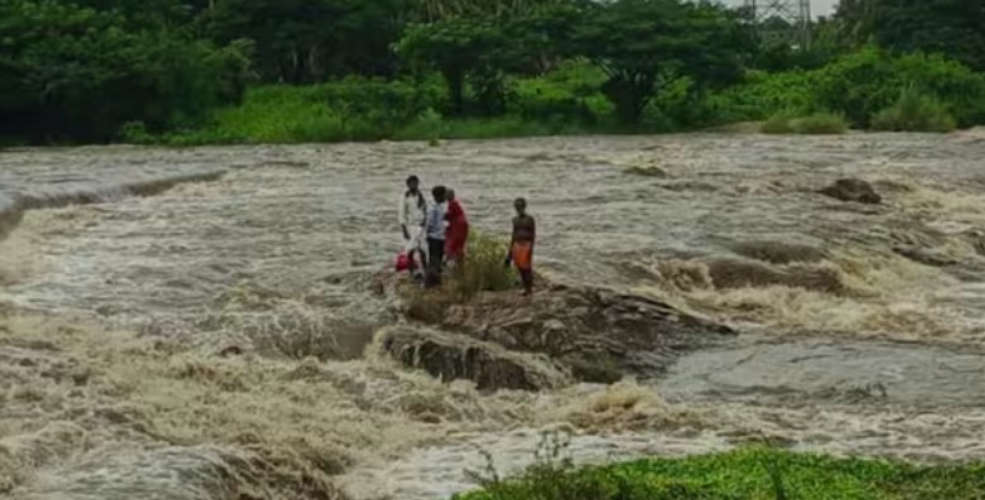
(451, 356)
(593, 334)
(855, 190)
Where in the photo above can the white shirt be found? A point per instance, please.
(412, 213)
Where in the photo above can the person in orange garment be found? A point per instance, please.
(458, 230)
(522, 245)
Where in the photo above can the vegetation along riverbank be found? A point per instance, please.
(235, 71)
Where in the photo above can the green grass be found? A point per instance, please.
(822, 122)
(484, 269)
(779, 123)
(915, 112)
(753, 473)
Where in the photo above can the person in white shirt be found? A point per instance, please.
(412, 218)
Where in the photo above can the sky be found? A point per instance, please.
(818, 7)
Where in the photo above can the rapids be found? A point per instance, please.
(860, 325)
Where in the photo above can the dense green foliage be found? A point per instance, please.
(75, 72)
(859, 85)
(743, 474)
(483, 269)
(953, 27)
(644, 45)
(914, 112)
(175, 71)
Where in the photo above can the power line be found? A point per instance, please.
(782, 21)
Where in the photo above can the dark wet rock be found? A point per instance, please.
(596, 335)
(648, 171)
(450, 356)
(855, 190)
(930, 257)
(778, 252)
(287, 163)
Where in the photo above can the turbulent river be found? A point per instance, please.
(860, 326)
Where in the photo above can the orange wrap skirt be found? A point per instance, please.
(523, 255)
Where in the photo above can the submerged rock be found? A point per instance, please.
(852, 190)
(647, 171)
(593, 334)
(778, 252)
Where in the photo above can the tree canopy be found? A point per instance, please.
(952, 27)
(81, 69)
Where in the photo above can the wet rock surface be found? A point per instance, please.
(596, 335)
(852, 190)
(448, 356)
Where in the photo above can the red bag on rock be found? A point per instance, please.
(404, 262)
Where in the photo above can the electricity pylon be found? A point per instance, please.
(782, 21)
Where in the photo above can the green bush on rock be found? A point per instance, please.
(483, 270)
(914, 112)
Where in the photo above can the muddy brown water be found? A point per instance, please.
(848, 344)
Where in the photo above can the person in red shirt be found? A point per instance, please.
(458, 230)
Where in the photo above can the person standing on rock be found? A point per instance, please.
(435, 230)
(412, 217)
(521, 252)
(458, 230)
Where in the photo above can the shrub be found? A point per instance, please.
(429, 125)
(866, 82)
(779, 123)
(821, 123)
(571, 93)
(916, 112)
(484, 269)
(763, 95)
(858, 85)
(786, 122)
(135, 133)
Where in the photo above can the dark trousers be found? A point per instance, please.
(436, 258)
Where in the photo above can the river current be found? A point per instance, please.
(860, 326)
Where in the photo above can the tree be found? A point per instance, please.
(437, 10)
(77, 73)
(308, 41)
(955, 28)
(644, 44)
(459, 48)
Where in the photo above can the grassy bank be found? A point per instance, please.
(744, 474)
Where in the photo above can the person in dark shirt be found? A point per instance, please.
(522, 245)
(435, 230)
